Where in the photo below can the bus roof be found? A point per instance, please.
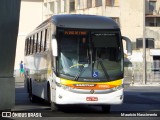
(81, 21)
(84, 21)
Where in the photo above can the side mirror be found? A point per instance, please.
(54, 47)
(128, 45)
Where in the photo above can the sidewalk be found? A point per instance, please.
(147, 84)
(132, 82)
(19, 79)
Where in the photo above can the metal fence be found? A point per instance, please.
(134, 72)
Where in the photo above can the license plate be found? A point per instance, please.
(91, 98)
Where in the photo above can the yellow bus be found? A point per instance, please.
(75, 59)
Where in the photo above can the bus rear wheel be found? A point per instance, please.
(48, 93)
(106, 108)
(27, 84)
(32, 97)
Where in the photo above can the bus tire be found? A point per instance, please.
(48, 93)
(32, 97)
(54, 107)
(106, 108)
(29, 88)
(27, 84)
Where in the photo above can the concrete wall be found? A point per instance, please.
(7, 93)
(31, 16)
(9, 20)
(131, 18)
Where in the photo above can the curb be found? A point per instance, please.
(147, 85)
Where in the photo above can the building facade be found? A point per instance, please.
(135, 18)
(31, 15)
(129, 14)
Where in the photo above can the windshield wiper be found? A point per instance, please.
(80, 72)
(103, 68)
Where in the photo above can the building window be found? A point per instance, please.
(152, 6)
(45, 9)
(152, 24)
(80, 4)
(51, 7)
(72, 5)
(153, 21)
(149, 43)
(59, 6)
(89, 3)
(112, 3)
(65, 5)
(98, 3)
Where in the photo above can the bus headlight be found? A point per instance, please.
(58, 84)
(118, 87)
(66, 87)
(63, 86)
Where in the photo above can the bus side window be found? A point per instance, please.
(26, 46)
(36, 38)
(33, 44)
(39, 42)
(41, 45)
(29, 47)
(45, 39)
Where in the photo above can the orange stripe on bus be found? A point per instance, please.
(91, 85)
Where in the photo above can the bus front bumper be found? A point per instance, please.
(68, 97)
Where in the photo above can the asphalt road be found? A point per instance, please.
(138, 100)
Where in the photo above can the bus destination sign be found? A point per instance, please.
(75, 32)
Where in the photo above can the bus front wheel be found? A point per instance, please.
(106, 108)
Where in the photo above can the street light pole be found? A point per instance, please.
(144, 46)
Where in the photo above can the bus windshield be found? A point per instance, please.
(96, 56)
